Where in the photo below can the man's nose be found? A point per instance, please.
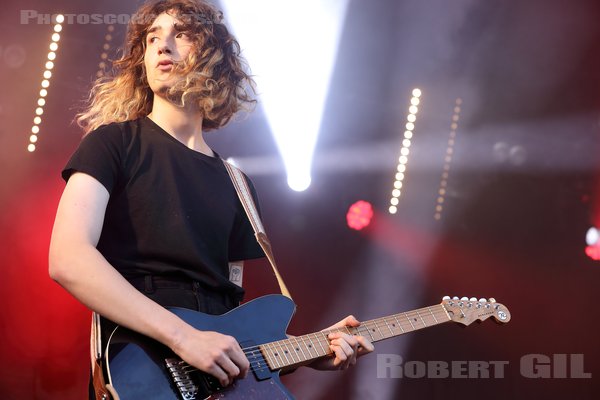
(164, 48)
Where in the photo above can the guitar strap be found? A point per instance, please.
(102, 390)
(243, 191)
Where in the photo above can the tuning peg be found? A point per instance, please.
(482, 300)
(446, 298)
(455, 298)
(492, 300)
(464, 299)
(473, 299)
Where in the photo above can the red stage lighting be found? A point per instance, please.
(593, 252)
(359, 215)
(592, 238)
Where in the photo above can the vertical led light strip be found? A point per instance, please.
(103, 64)
(447, 160)
(41, 102)
(411, 118)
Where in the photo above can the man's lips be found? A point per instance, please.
(165, 65)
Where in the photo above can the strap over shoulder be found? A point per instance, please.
(243, 191)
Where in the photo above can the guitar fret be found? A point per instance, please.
(324, 337)
(299, 348)
(432, 314)
(409, 321)
(273, 360)
(312, 338)
(307, 347)
(419, 314)
(369, 331)
(293, 351)
(279, 355)
(389, 327)
(378, 329)
(398, 322)
(285, 353)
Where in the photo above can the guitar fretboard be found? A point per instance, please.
(302, 349)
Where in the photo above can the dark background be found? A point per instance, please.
(512, 227)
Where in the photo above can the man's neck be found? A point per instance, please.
(181, 123)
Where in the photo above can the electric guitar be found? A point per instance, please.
(141, 368)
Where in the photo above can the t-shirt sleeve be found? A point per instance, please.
(99, 155)
(242, 243)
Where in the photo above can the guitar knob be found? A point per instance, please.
(455, 298)
(473, 299)
(492, 300)
(464, 299)
(482, 300)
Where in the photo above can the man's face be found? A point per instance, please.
(166, 43)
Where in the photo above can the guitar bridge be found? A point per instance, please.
(180, 374)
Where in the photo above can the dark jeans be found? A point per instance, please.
(174, 292)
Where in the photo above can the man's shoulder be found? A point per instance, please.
(118, 132)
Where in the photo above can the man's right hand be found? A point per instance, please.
(214, 353)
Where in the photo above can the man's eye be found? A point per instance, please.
(182, 35)
(151, 39)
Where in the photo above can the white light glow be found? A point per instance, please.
(592, 236)
(291, 49)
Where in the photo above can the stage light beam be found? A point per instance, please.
(291, 48)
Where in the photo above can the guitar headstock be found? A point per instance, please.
(465, 310)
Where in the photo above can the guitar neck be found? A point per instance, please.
(301, 350)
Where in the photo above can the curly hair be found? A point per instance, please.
(213, 76)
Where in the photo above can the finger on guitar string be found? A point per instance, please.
(345, 348)
(364, 345)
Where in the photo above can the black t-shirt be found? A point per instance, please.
(172, 212)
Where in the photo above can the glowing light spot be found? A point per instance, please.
(359, 215)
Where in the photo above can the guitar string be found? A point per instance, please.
(255, 351)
